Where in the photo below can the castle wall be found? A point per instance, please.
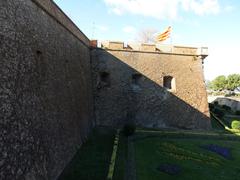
(46, 103)
(134, 89)
(49, 78)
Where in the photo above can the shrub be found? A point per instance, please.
(235, 124)
(227, 108)
(219, 113)
(129, 129)
(237, 112)
(215, 103)
(211, 106)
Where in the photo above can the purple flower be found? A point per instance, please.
(222, 151)
(171, 169)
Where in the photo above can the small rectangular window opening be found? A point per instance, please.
(105, 79)
(39, 52)
(136, 78)
(169, 83)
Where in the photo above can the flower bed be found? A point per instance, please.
(222, 151)
(171, 169)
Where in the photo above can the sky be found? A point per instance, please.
(199, 23)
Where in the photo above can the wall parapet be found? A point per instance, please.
(153, 48)
(55, 12)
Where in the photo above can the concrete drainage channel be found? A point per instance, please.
(113, 157)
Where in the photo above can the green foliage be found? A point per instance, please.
(222, 82)
(229, 94)
(233, 81)
(219, 113)
(211, 106)
(235, 124)
(219, 83)
(129, 129)
(237, 112)
(227, 108)
(215, 103)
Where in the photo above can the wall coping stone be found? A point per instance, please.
(155, 48)
(55, 12)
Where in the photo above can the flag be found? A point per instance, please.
(164, 35)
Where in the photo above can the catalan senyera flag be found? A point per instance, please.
(164, 35)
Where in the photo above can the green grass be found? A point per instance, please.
(153, 148)
(196, 162)
(92, 160)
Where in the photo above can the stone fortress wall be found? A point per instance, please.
(46, 102)
(133, 86)
(55, 85)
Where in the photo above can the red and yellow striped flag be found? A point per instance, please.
(164, 35)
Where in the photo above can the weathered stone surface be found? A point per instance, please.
(45, 92)
(148, 103)
(49, 78)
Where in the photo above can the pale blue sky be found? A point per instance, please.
(211, 23)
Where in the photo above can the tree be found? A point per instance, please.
(219, 83)
(233, 81)
(230, 82)
(208, 84)
(147, 35)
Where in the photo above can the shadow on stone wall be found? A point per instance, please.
(46, 103)
(125, 94)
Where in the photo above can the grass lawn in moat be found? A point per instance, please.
(187, 155)
(158, 154)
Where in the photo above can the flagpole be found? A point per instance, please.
(171, 39)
